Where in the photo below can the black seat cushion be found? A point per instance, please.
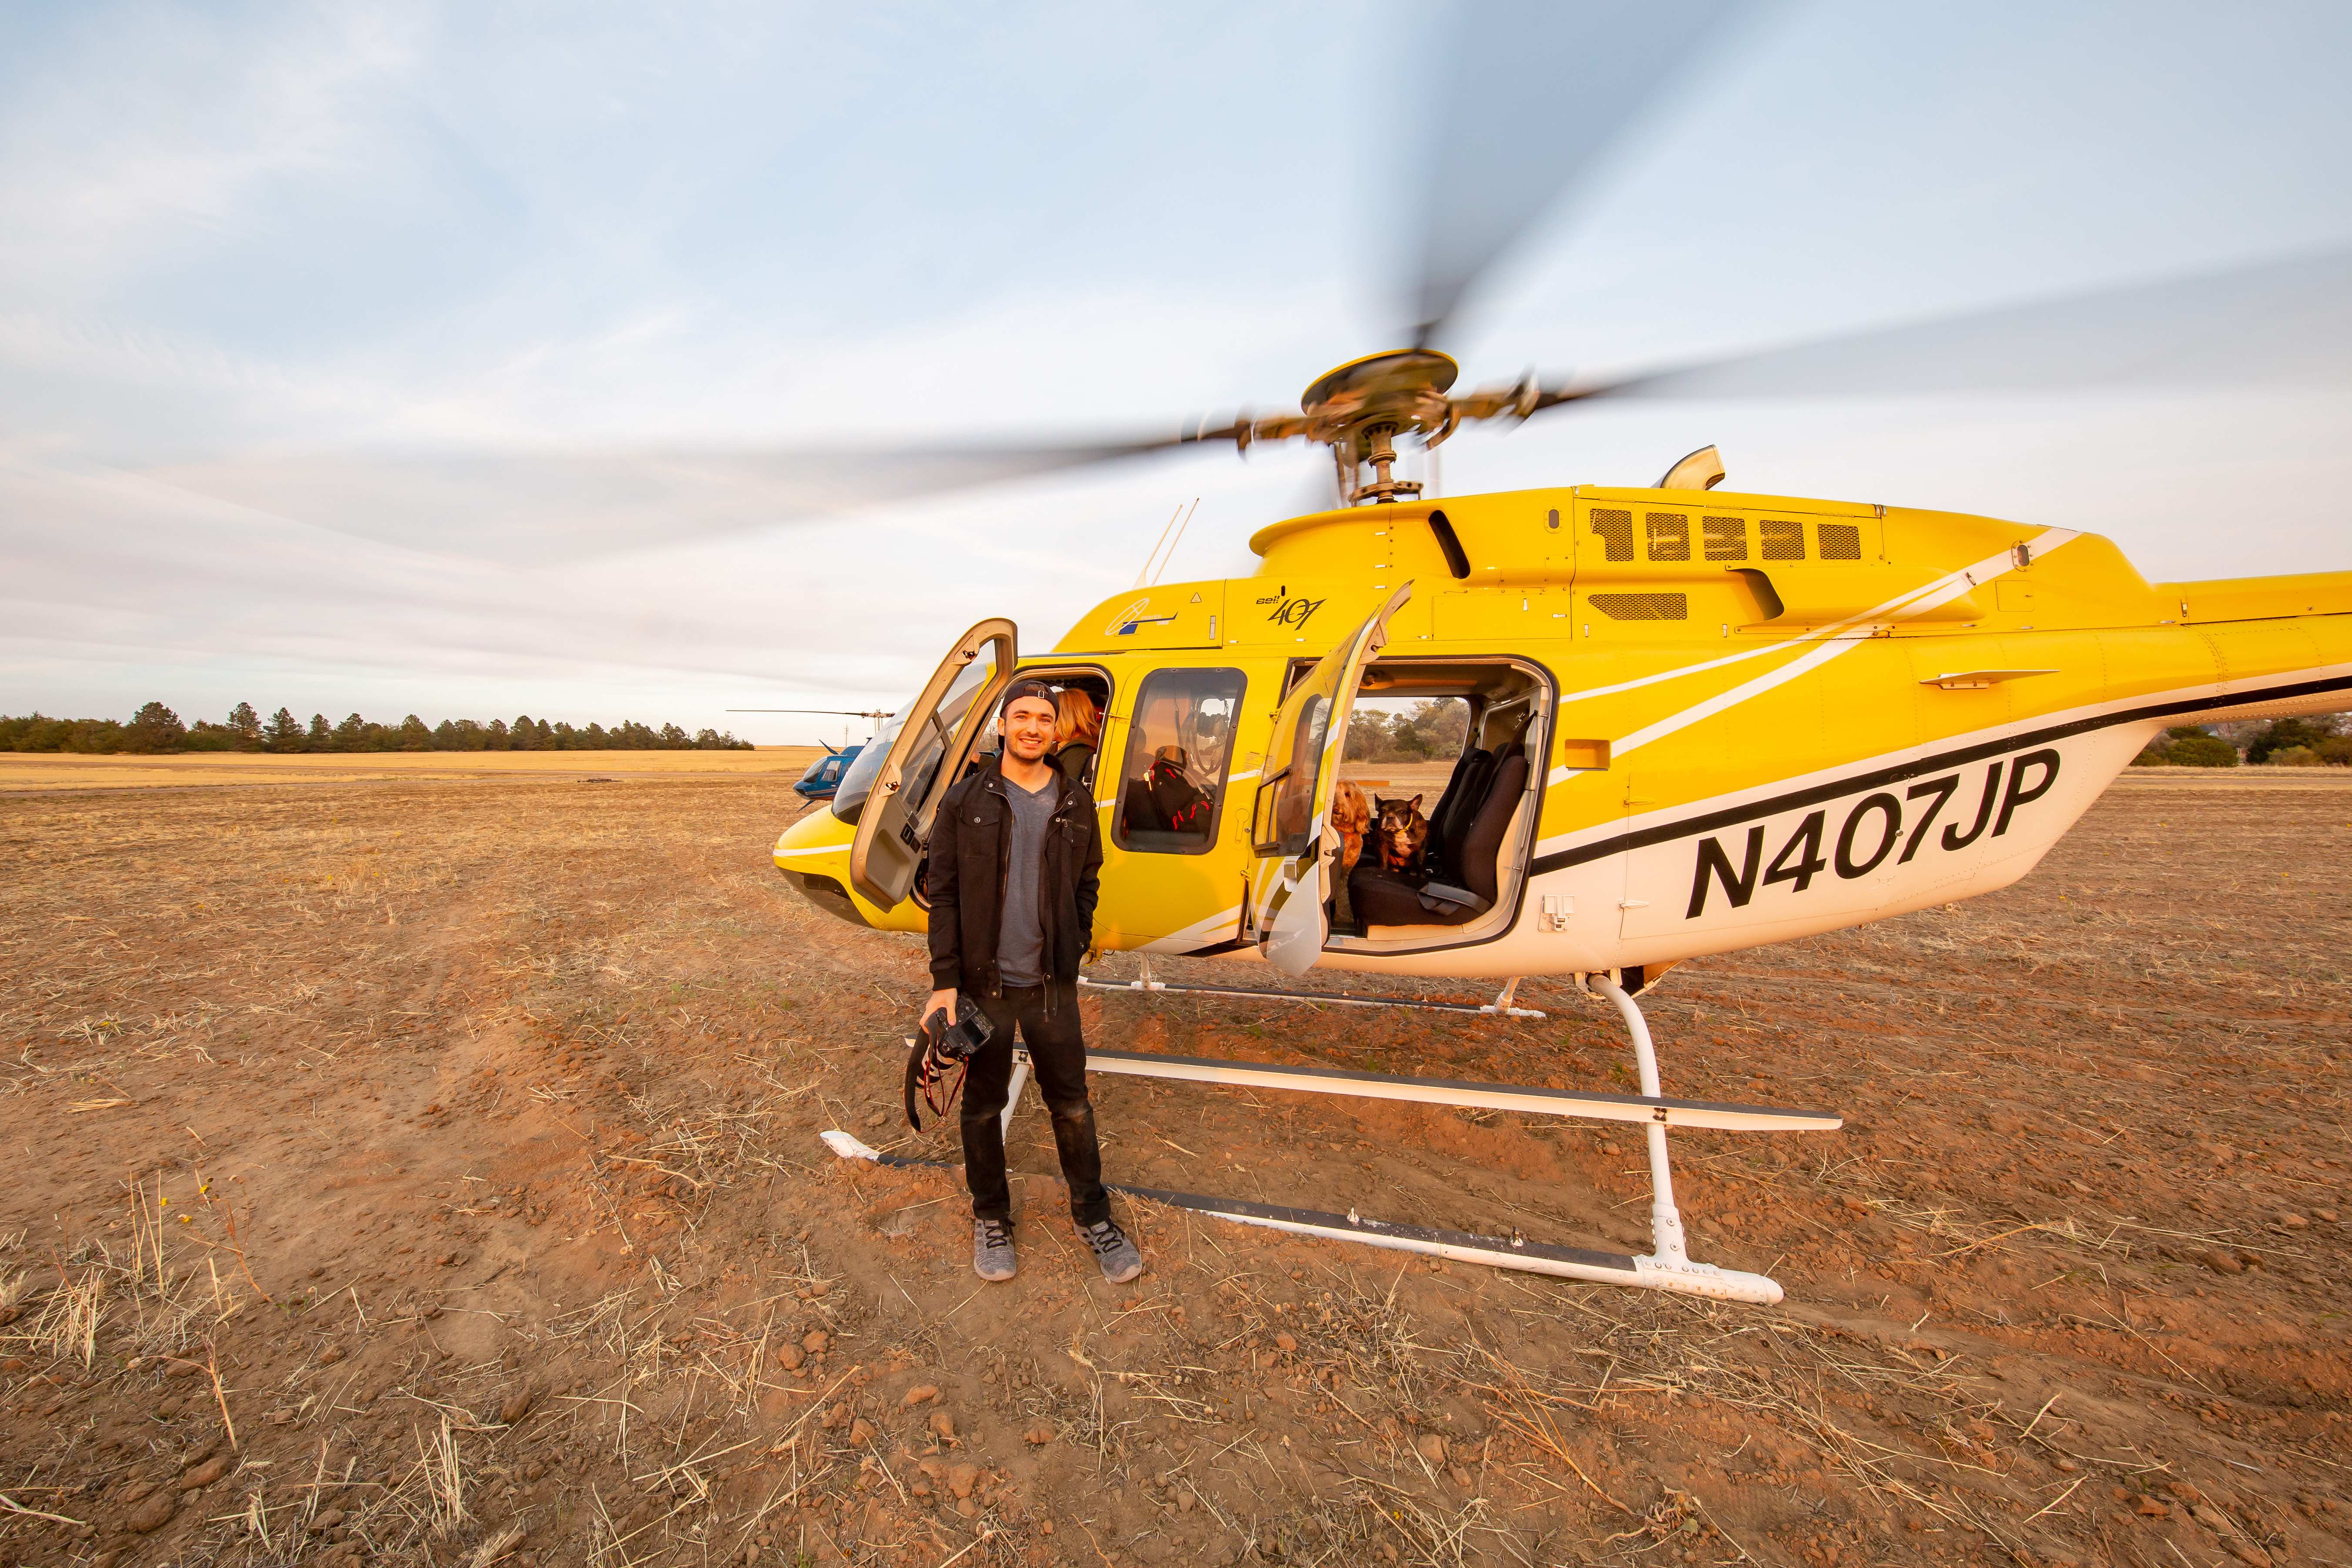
(1381, 898)
(1390, 899)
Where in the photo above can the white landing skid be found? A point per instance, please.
(1666, 1266)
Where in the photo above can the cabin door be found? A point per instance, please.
(894, 821)
(1292, 820)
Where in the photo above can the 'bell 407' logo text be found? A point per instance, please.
(1875, 827)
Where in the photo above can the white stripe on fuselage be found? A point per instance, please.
(1836, 639)
(1730, 658)
(2055, 719)
(1218, 927)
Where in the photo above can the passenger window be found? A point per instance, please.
(1172, 784)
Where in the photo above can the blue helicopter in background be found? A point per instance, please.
(823, 775)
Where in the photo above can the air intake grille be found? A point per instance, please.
(1643, 607)
(1841, 542)
(1725, 537)
(1669, 536)
(1781, 540)
(1615, 531)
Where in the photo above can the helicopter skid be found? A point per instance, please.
(1667, 1267)
(1685, 1277)
(1681, 1277)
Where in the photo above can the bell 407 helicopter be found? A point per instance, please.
(1699, 720)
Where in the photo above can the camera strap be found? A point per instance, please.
(934, 1079)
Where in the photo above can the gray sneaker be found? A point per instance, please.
(992, 1250)
(1119, 1259)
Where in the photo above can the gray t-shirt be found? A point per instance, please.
(1021, 933)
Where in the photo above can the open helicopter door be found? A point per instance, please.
(894, 822)
(1293, 811)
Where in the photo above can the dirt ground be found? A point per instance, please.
(413, 1172)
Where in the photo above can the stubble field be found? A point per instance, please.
(417, 1172)
(48, 771)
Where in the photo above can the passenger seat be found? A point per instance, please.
(1471, 843)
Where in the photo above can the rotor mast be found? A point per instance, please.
(1362, 409)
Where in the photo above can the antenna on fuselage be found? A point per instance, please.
(1147, 577)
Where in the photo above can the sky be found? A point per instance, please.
(333, 339)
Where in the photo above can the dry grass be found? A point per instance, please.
(440, 1161)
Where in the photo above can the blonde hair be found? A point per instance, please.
(1076, 719)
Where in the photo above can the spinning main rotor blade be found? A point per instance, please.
(557, 505)
(2278, 322)
(835, 712)
(1540, 89)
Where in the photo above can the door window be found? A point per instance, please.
(1295, 800)
(892, 800)
(1289, 800)
(1172, 782)
(922, 762)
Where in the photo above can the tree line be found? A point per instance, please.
(1434, 729)
(156, 729)
(2320, 742)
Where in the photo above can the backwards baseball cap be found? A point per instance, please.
(1020, 689)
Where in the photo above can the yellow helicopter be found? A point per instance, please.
(1699, 720)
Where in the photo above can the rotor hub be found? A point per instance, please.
(1359, 409)
(1401, 376)
(1362, 409)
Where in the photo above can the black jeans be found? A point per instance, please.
(1058, 1054)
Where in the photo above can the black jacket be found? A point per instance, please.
(964, 879)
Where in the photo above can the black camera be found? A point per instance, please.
(935, 1063)
(957, 1039)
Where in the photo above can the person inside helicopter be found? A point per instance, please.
(1077, 735)
(1164, 798)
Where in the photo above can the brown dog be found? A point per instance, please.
(1404, 831)
(1351, 818)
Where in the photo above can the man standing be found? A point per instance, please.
(1012, 878)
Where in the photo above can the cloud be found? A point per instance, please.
(114, 582)
(150, 132)
(295, 301)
